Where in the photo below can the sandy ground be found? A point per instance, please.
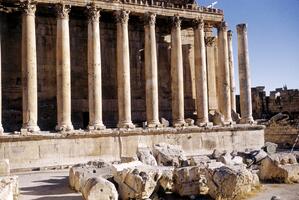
(53, 185)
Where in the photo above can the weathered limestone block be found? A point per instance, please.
(9, 188)
(284, 158)
(166, 179)
(200, 160)
(270, 147)
(145, 155)
(253, 157)
(125, 159)
(217, 154)
(273, 169)
(231, 182)
(169, 155)
(228, 159)
(4, 167)
(99, 189)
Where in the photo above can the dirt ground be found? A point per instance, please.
(53, 185)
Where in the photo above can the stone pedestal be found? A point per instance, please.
(244, 75)
(29, 68)
(223, 74)
(94, 70)
(231, 70)
(63, 67)
(123, 70)
(151, 72)
(177, 82)
(200, 74)
(1, 127)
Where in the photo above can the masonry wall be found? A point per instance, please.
(46, 64)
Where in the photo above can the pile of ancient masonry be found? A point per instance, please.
(9, 185)
(165, 169)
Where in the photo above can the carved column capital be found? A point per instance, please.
(176, 21)
(242, 28)
(122, 16)
(210, 41)
(28, 7)
(223, 26)
(230, 34)
(150, 19)
(93, 13)
(63, 11)
(198, 23)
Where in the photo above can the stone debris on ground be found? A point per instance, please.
(169, 155)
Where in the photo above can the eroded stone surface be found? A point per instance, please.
(4, 167)
(169, 155)
(9, 188)
(145, 155)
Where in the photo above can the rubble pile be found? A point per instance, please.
(167, 169)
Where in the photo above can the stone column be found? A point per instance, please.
(210, 41)
(29, 68)
(231, 70)
(151, 71)
(200, 74)
(63, 69)
(177, 82)
(223, 70)
(1, 127)
(123, 70)
(94, 70)
(244, 75)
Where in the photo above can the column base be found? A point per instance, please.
(99, 126)
(64, 127)
(179, 123)
(154, 124)
(128, 125)
(247, 120)
(29, 128)
(204, 124)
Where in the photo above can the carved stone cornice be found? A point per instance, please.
(93, 13)
(63, 11)
(28, 7)
(150, 19)
(176, 21)
(122, 16)
(198, 23)
(210, 41)
(242, 28)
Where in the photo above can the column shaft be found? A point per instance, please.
(244, 75)
(200, 74)
(29, 68)
(177, 82)
(1, 24)
(63, 67)
(223, 70)
(231, 70)
(123, 71)
(151, 72)
(94, 70)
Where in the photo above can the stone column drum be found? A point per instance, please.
(231, 70)
(200, 74)
(151, 71)
(123, 70)
(29, 68)
(63, 69)
(223, 74)
(177, 82)
(94, 70)
(244, 75)
(1, 127)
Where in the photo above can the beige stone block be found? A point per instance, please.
(4, 167)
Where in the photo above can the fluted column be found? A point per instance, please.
(177, 82)
(123, 70)
(244, 75)
(231, 70)
(151, 71)
(29, 68)
(63, 69)
(94, 70)
(223, 70)
(1, 127)
(200, 74)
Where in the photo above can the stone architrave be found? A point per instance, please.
(94, 70)
(63, 69)
(123, 70)
(200, 74)
(244, 75)
(29, 68)
(223, 75)
(1, 127)
(177, 82)
(231, 70)
(151, 71)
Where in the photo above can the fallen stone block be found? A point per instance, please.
(166, 178)
(99, 189)
(200, 160)
(4, 167)
(227, 159)
(253, 157)
(169, 155)
(217, 154)
(284, 158)
(164, 122)
(145, 155)
(9, 188)
(270, 147)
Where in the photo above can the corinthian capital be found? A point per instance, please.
(28, 7)
(63, 11)
(150, 19)
(198, 23)
(223, 26)
(122, 16)
(242, 28)
(93, 13)
(176, 21)
(229, 34)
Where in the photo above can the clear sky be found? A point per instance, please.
(273, 35)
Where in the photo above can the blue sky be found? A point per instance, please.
(273, 34)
